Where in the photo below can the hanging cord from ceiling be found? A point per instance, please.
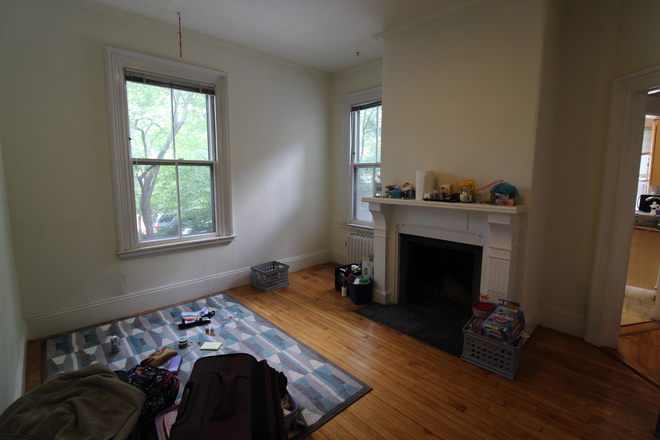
(180, 45)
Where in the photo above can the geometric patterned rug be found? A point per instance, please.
(320, 387)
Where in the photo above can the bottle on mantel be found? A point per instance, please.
(379, 187)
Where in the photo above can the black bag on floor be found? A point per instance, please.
(230, 396)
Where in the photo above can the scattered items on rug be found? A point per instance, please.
(159, 357)
(174, 365)
(211, 346)
(209, 330)
(161, 388)
(320, 388)
(193, 319)
(114, 344)
(229, 318)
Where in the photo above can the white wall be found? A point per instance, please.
(53, 120)
(542, 190)
(13, 343)
(462, 93)
(461, 97)
(584, 93)
(343, 83)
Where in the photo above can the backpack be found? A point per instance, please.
(230, 396)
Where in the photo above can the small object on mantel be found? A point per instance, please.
(503, 194)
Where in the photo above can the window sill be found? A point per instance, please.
(162, 249)
(360, 229)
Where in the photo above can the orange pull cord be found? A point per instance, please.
(180, 47)
(489, 185)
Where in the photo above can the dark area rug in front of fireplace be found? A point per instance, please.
(441, 328)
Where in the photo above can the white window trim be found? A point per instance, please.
(116, 61)
(350, 100)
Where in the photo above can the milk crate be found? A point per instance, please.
(487, 353)
(342, 272)
(270, 276)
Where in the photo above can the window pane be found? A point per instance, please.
(196, 189)
(364, 187)
(646, 141)
(368, 126)
(156, 201)
(644, 165)
(192, 115)
(150, 121)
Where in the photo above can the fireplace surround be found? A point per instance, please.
(496, 229)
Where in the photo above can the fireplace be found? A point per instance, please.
(438, 274)
(494, 230)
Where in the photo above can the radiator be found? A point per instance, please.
(359, 247)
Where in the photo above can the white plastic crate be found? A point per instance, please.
(487, 353)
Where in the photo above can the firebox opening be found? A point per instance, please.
(439, 274)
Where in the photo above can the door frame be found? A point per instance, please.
(621, 172)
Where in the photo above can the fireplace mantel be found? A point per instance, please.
(495, 228)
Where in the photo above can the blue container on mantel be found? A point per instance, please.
(361, 293)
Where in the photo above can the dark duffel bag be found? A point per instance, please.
(230, 396)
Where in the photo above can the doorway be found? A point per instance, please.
(639, 303)
(629, 100)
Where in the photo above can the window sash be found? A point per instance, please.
(358, 214)
(354, 101)
(118, 62)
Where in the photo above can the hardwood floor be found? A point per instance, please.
(639, 349)
(565, 388)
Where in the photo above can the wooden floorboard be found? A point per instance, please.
(644, 327)
(565, 388)
(639, 349)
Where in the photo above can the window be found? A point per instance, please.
(169, 154)
(645, 163)
(362, 139)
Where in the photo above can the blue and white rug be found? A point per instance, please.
(321, 388)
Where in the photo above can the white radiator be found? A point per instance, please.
(359, 247)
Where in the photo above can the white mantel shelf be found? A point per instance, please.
(483, 207)
(494, 228)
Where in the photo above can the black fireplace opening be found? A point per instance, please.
(438, 283)
(442, 277)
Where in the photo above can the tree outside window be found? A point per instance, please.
(171, 156)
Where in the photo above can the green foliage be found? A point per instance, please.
(173, 125)
(368, 131)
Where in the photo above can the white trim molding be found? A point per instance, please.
(349, 100)
(128, 245)
(494, 228)
(68, 319)
(614, 237)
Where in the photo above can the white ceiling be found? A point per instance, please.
(324, 35)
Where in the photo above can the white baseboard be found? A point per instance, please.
(65, 320)
(381, 297)
(560, 320)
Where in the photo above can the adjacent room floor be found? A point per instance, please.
(565, 388)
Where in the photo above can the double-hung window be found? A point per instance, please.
(362, 138)
(170, 156)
